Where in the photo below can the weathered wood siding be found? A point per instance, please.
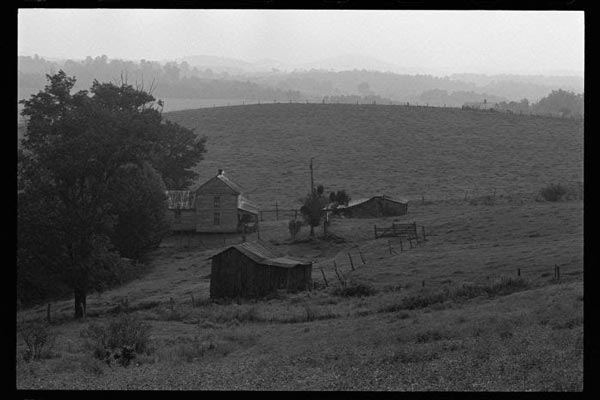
(394, 208)
(185, 222)
(205, 208)
(233, 274)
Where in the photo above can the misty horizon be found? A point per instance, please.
(439, 43)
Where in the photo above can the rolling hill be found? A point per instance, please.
(400, 151)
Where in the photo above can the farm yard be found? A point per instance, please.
(479, 305)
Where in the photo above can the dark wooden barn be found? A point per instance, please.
(251, 270)
(374, 207)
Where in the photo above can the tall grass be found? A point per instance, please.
(500, 288)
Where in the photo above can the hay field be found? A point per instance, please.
(439, 153)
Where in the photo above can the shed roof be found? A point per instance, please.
(247, 205)
(262, 255)
(180, 199)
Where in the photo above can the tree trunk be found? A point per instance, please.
(312, 230)
(80, 303)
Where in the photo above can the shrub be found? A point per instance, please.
(553, 192)
(38, 339)
(294, 228)
(118, 340)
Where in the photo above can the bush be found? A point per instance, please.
(294, 228)
(118, 340)
(38, 339)
(553, 192)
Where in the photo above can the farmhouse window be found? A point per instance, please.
(217, 202)
(178, 216)
(217, 218)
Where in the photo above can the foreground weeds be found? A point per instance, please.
(501, 288)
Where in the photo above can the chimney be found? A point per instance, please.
(220, 172)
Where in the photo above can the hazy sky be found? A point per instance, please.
(453, 41)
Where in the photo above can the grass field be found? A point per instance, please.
(476, 307)
(401, 151)
(475, 325)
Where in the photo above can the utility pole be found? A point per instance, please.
(312, 193)
(312, 183)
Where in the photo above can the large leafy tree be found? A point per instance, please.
(78, 148)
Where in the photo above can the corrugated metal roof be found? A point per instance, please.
(354, 203)
(247, 205)
(180, 199)
(263, 255)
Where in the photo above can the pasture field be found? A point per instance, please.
(476, 307)
(410, 152)
(474, 325)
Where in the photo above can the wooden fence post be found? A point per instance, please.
(361, 256)
(390, 246)
(416, 233)
(423, 231)
(375, 230)
(401, 249)
(351, 263)
(518, 271)
(324, 279)
(338, 275)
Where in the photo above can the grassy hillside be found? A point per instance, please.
(476, 307)
(396, 150)
(475, 325)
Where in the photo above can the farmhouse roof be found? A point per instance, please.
(180, 199)
(262, 255)
(221, 176)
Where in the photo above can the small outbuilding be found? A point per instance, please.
(250, 270)
(373, 207)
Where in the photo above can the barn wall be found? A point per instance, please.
(187, 220)
(233, 274)
(394, 208)
(205, 207)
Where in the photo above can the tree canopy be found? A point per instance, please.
(90, 175)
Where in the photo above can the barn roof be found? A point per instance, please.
(354, 203)
(262, 255)
(180, 199)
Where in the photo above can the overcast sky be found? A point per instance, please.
(452, 41)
